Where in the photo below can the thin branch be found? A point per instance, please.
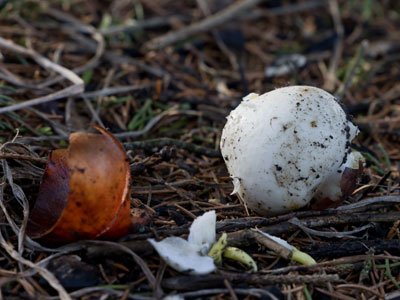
(116, 90)
(76, 88)
(330, 234)
(208, 23)
(369, 201)
(86, 28)
(196, 282)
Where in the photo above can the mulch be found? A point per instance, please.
(162, 76)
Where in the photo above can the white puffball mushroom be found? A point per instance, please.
(287, 146)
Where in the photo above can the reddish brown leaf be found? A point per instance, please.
(84, 192)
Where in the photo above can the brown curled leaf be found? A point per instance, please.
(84, 191)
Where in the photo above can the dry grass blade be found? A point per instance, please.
(115, 90)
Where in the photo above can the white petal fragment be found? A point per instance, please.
(202, 232)
(276, 239)
(173, 297)
(183, 256)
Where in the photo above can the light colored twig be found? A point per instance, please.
(85, 28)
(76, 88)
(46, 63)
(208, 23)
(116, 90)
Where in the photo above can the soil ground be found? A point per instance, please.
(162, 76)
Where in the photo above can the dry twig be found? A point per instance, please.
(75, 89)
(213, 21)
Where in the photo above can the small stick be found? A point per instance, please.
(221, 44)
(196, 282)
(230, 289)
(76, 88)
(116, 90)
(85, 28)
(219, 18)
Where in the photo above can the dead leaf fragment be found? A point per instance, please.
(84, 191)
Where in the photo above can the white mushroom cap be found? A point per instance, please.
(283, 146)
